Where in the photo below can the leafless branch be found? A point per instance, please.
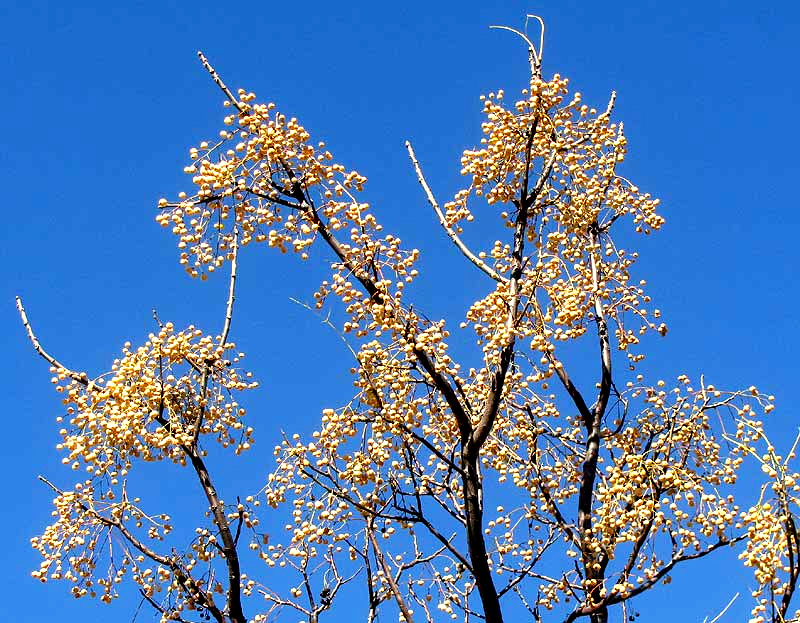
(723, 611)
(231, 290)
(75, 376)
(387, 572)
(218, 81)
(443, 221)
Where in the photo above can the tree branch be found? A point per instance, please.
(75, 376)
(218, 81)
(443, 221)
(387, 572)
(229, 551)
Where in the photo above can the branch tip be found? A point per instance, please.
(218, 81)
(81, 378)
(535, 55)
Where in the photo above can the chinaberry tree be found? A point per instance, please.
(446, 488)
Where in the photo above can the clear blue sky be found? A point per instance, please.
(102, 101)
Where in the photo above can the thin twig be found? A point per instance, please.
(327, 321)
(157, 319)
(723, 611)
(387, 572)
(172, 616)
(450, 232)
(541, 33)
(75, 376)
(215, 77)
(612, 100)
(535, 56)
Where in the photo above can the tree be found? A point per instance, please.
(471, 486)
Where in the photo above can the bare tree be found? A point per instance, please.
(444, 488)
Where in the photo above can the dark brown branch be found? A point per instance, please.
(637, 547)
(337, 491)
(171, 616)
(229, 551)
(615, 599)
(274, 198)
(387, 572)
(530, 200)
(495, 393)
(444, 541)
(794, 562)
(574, 392)
(526, 175)
(592, 423)
(602, 329)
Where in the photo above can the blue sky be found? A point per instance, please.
(102, 101)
